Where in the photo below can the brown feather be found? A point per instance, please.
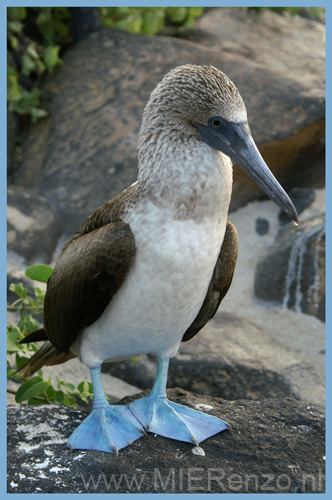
(35, 336)
(87, 276)
(47, 355)
(92, 266)
(220, 282)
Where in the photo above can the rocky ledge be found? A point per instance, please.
(273, 446)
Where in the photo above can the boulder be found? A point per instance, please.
(273, 446)
(281, 47)
(300, 332)
(12, 130)
(33, 226)
(230, 358)
(292, 273)
(83, 20)
(302, 199)
(85, 152)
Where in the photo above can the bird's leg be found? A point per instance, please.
(160, 416)
(107, 428)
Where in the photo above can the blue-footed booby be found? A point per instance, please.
(149, 268)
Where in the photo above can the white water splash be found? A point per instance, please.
(295, 267)
(314, 287)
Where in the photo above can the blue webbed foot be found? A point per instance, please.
(109, 429)
(159, 415)
(165, 418)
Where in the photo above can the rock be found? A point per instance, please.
(292, 273)
(83, 20)
(232, 30)
(86, 152)
(302, 198)
(12, 129)
(289, 42)
(230, 358)
(274, 446)
(302, 333)
(33, 226)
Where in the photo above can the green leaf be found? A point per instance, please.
(177, 15)
(31, 50)
(85, 387)
(41, 401)
(15, 26)
(28, 65)
(51, 392)
(28, 324)
(40, 295)
(28, 100)
(69, 401)
(14, 90)
(37, 113)
(30, 392)
(67, 387)
(12, 340)
(18, 289)
(153, 20)
(196, 11)
(59, 397)
(40, 272)
(13, 42)
(30, 389)
(20, 360)
(51, 57)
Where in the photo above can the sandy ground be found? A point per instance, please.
(300, 332)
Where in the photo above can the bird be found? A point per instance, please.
(149, 268)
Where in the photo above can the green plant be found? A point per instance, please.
(312, 12)
(148, 20)
(37, 35)
(36, 390)
(28, 60)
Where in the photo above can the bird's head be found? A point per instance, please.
(202, 102)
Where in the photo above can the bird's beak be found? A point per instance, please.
(235, 140)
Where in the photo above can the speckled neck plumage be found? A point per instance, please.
(176, 168)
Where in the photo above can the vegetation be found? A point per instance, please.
(36, 390)
(36, 37)
(33, 37)
(312, 12)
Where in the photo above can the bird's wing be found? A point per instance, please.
(90, 270)
(220, 282)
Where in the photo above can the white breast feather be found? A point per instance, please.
(168, 281)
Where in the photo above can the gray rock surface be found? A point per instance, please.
(33, 226)
(292, 273)
(234, 359)
(292, 48)
(302, 198)
(302, 333)
(274, 446)
(284, 47)
(12, 129)
(95, 114)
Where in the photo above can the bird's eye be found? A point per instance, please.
(215, 122)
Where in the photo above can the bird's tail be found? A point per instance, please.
(47, 355)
